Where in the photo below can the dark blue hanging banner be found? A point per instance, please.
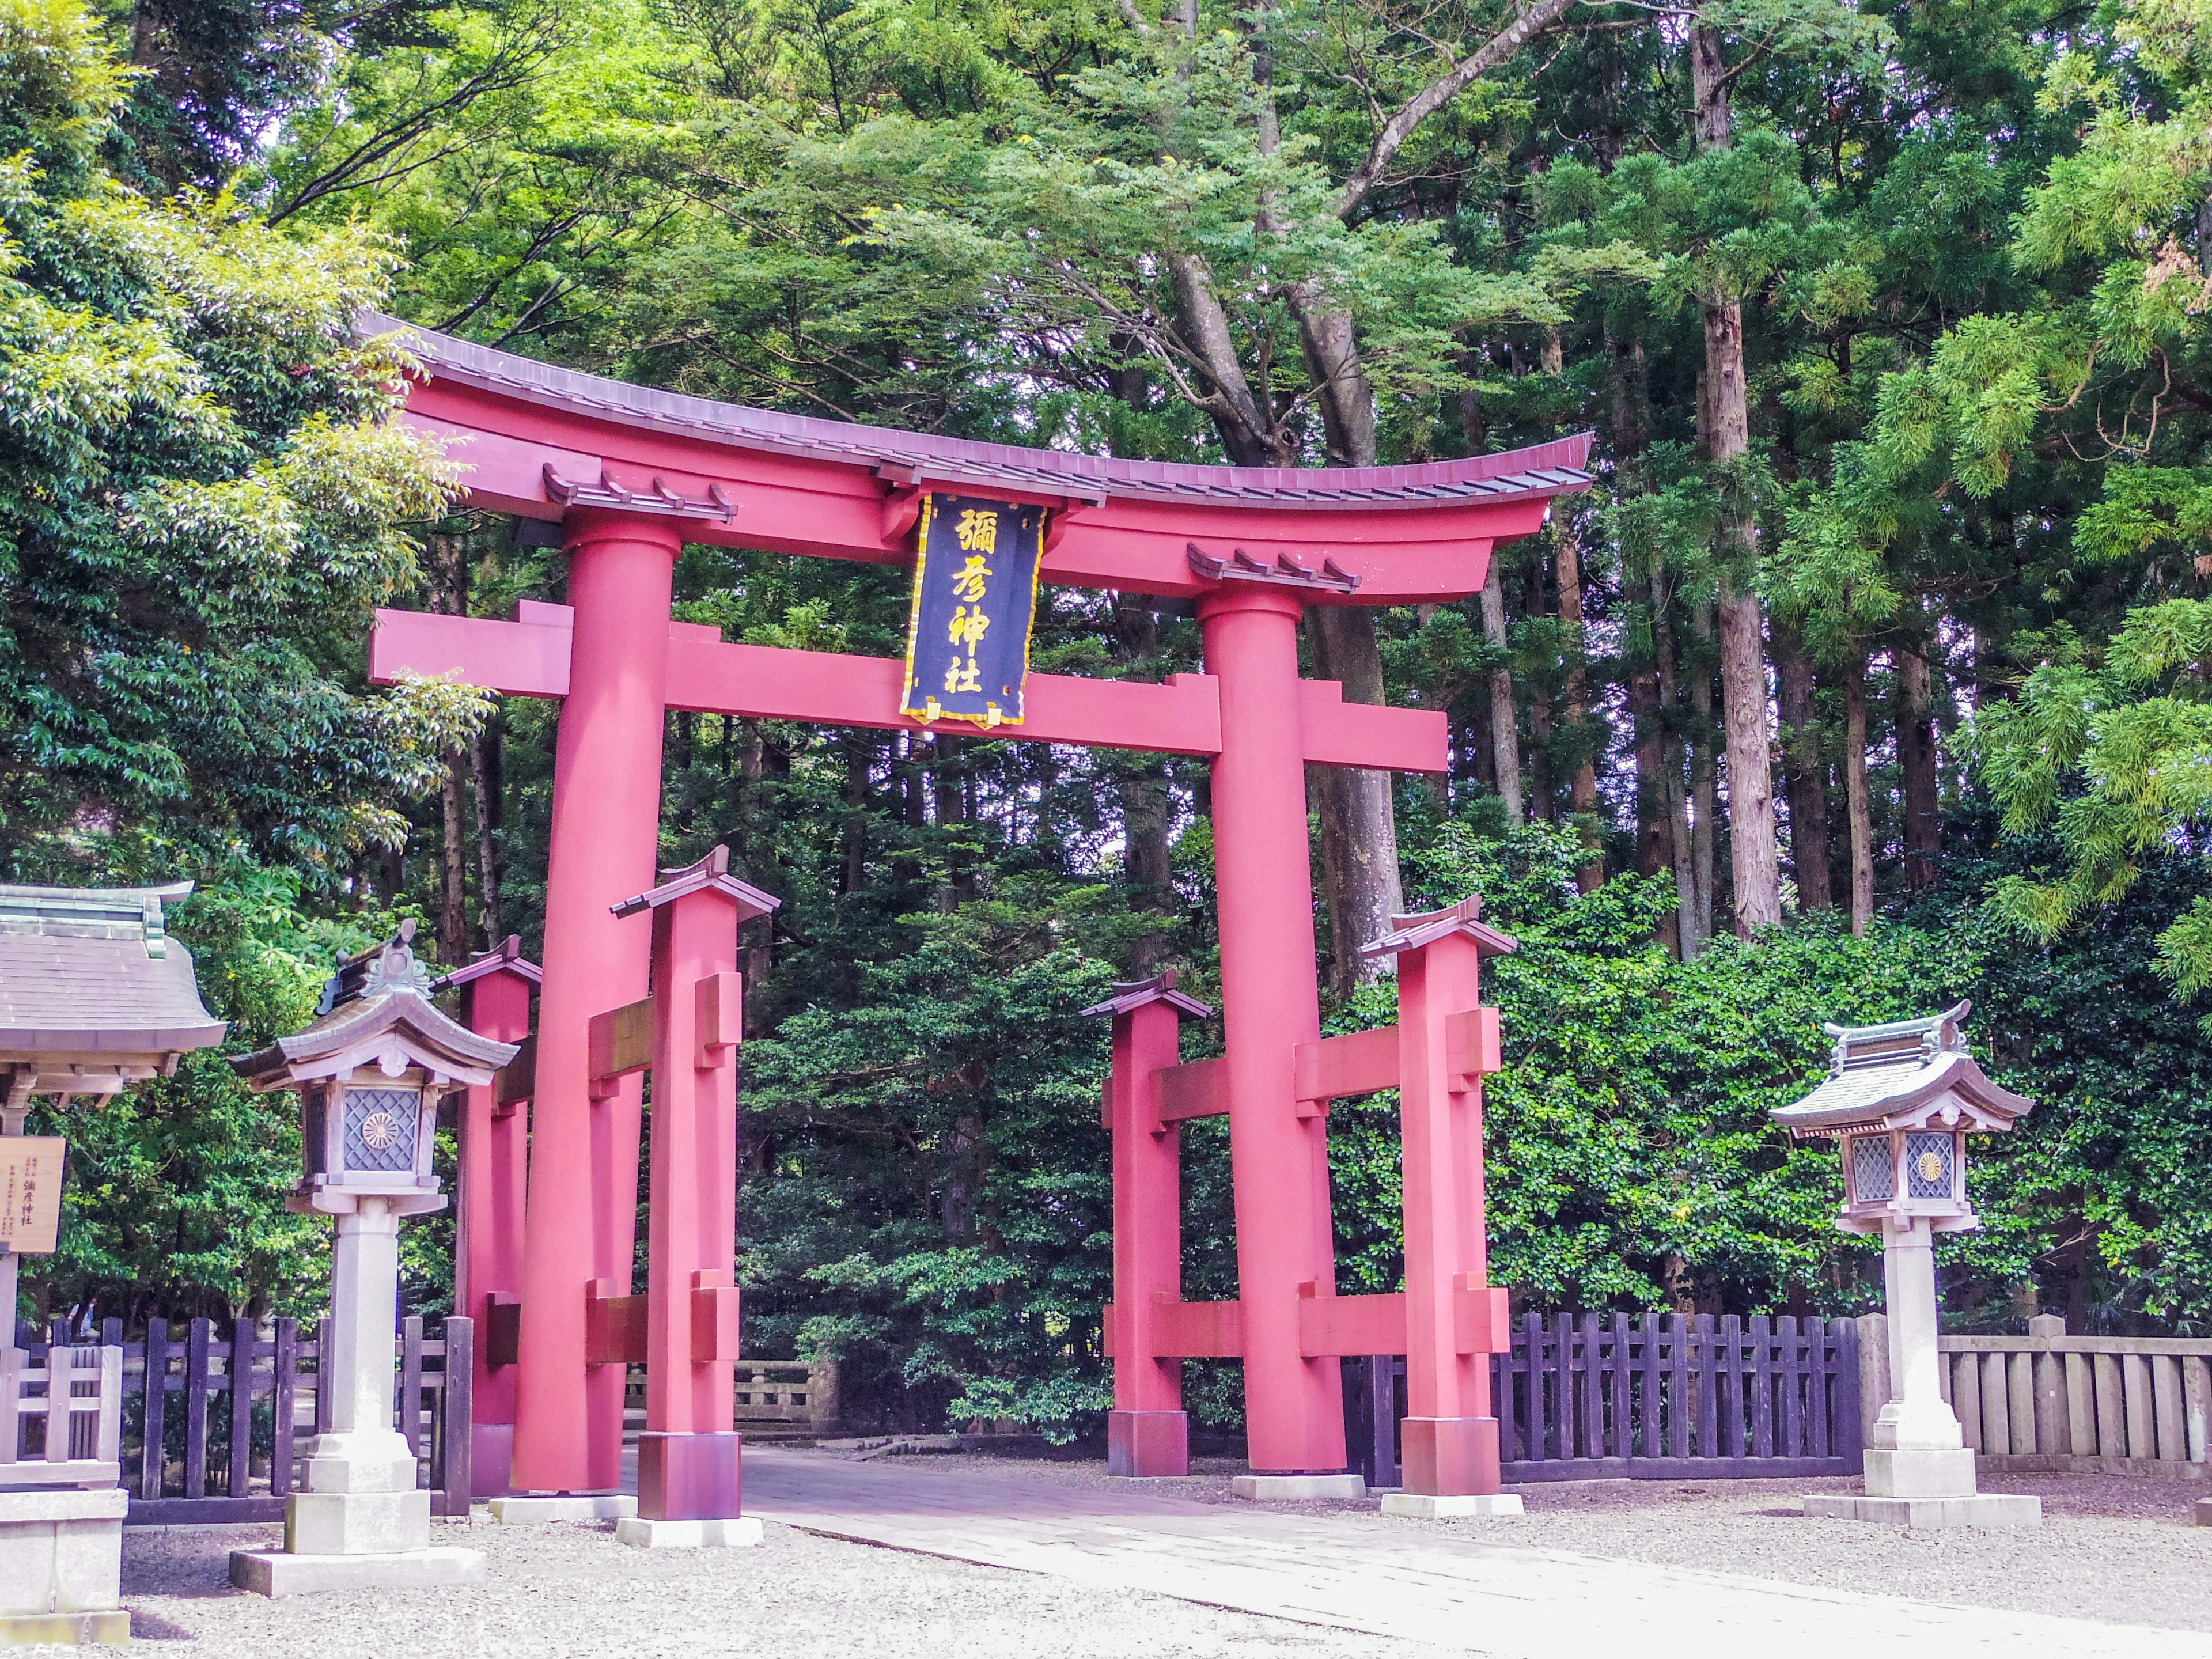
(975, 598)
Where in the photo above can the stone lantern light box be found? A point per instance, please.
(1900, 1100)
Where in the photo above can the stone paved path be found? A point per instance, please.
(1368, 1573)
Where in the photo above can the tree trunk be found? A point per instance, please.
(1917, 761)
(1652, 844)
(1543, 803)
(1727, 438)
(1689, 934)
(1358, 826)
(1568, 563)
(1505, 722)
(1141, 783)
(1808, 773)
(490, 792)
(453, 910)
(860, 764)
(1855, 795)
(1705, 788)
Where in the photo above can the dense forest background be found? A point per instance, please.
(1872, 674)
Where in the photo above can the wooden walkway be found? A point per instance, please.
(1386, 1578)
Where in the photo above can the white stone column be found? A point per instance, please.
(358, 1494)
(1916, 1450)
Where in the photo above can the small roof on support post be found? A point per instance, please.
(1906, 1074)
(1136, 993)
(1411, 932)
(95, 994)
(711, 874)
(508, 958)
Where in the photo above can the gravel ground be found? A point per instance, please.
(559, 1590)
(2111, 1549)
(2119, 1549)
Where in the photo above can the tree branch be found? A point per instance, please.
(1537, 17)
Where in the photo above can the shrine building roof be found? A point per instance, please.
(1902, 1074)
(94, 993)
(899, 456)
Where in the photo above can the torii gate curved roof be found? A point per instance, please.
(539, 439)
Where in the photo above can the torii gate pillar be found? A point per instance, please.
(495, 990)
(1271, 1003)
(582, 1215)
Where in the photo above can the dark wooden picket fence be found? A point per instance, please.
(198, 1447)
(1650, 1397)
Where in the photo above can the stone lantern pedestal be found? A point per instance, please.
(358, 1521)
(1919, 1469)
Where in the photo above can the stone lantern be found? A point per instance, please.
(1900, 1100)
(370, 1073)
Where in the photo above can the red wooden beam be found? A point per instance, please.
(529, 657)
(1356, 1063)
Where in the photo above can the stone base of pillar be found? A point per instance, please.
(279, 1572)
(1147, 1443)
(356, 1523)
(689, 1477)
(1427, 1506)
(1919, 1471)
(1449, 1457)
(737, 1532)
(528, 1511)
(1298, 1488)
(24, 1630)
(61, 1566)
(491, 1459)
(1979, 1509)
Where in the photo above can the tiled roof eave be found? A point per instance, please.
(1544, 471)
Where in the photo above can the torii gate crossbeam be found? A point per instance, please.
(632, 474)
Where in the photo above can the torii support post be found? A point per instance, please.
(583, 1218)
(1454, 1321)
(1271, 1003)
(495, 991)
(688, 1466)
(1147, 1432)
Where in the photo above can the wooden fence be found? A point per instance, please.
(2115, 1405)
(61, 1427)
(1654, 1397)
(196, 1446)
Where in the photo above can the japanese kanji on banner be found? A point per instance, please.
(975, 596)
(31, 1193)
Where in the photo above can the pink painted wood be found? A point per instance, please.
(493, 1181)
(581, 1218)
(1453, 1321)
(631, 474)
(1270, 1005)
(688, 1457)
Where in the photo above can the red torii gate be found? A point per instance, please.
(631, 474)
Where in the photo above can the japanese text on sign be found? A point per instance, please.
(31, 1193)
(974, 598)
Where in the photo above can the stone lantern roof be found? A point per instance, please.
(377, 1008)
(95, 994)
(1908, 1074)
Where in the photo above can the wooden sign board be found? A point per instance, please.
(31, 1193)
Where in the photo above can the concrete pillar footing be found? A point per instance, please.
(736, 1533)
(1298, 1488)
(1446, 1506)
(539, 1512)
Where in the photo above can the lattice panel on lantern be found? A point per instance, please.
(1872, 1177)
(1927, 1166)
(379, 1128)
